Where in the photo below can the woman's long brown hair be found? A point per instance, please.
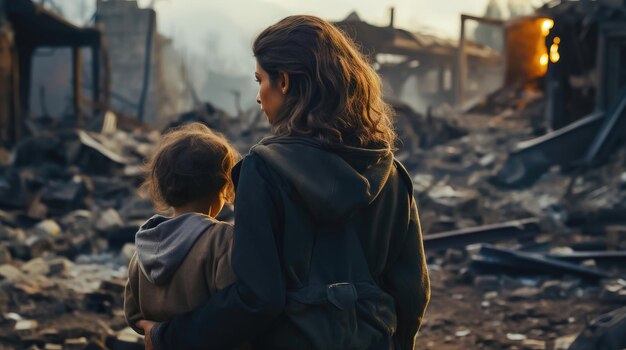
(334, 94)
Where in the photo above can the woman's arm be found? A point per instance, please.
(407, 282)
(245, 309)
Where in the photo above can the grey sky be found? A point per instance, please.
(216, 35)
(230, 26)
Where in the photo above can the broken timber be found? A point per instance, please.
(597, 256)
(517, 229)
(508, 261)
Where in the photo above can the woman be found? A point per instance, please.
(327, 250)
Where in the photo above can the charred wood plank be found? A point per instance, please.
(510, 261)
(517, 229)
(618, 256)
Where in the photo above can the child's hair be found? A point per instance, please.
(191, 162)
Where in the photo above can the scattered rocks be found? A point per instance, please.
(515, 336)
(487, 282)
(36, 267)
(127, 252)
(532, 344)
(614, 291)
(525, 293)
(563, 343)
(25, 325)
(462, 333)
(108, 220)
(10, 273)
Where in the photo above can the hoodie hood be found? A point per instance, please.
(163, 243)
(332, 182)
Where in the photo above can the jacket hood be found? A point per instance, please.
(163, 243)
(332, 182)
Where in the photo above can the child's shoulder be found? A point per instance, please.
(221, 226)
(218, 234)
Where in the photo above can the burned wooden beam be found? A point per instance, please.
(510, 261)
(6, 44)
(461, 56)
(611, 131)
(76, 81)
(517, 229)
(95, 78)
(533, 158)
(618, 256)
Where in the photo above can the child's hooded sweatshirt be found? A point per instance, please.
(180, 262)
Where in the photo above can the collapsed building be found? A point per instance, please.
(25, 27)
(420, 68)
(120, 63)
(585, 88)
(148, 77)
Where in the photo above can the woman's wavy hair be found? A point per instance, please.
(334, 94)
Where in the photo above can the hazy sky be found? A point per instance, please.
(216, 35)
(442, 15)
(252, 16)
(230, 26)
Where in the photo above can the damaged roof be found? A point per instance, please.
(391, 40)
(41, 27)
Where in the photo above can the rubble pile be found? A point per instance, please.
(531, 287)
(242, 131)
(418, 132)
(69, 210)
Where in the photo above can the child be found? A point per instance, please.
(181, 261)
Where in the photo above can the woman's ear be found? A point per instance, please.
(283, 82)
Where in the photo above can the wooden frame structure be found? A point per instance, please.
(24, 27)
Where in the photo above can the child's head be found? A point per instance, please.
(191, 166)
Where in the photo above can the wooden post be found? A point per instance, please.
(76, 79)
(6, 64)
(461, 66)
(95, 76)
(441, 77)
(147, 69)
(23, 67)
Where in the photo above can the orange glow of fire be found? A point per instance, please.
(555, 56)
(546, 25)
(544, 56)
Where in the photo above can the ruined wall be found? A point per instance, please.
(126, 27)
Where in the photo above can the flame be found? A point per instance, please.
(545, 56)
(555, 56)
(546, 25)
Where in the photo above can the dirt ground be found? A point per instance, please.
(464, 316)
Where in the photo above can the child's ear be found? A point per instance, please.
(283, 81)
